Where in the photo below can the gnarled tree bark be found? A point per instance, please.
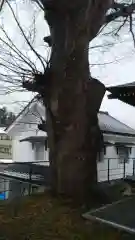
(74, 97)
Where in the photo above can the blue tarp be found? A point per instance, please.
(2, 196)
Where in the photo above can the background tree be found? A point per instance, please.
(6, 117)
(67, 88)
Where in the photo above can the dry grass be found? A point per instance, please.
(45, 218)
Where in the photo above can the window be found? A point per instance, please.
(34, 189)
(104, 150)
(102, 154)
(39, 152)
(46, 144)
(5, 150)
(5, 137)
(123, 153)
(130, 150)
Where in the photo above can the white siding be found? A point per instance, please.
(116, 169)
(23, 151)
(39, 152)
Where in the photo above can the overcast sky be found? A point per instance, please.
(112, 65)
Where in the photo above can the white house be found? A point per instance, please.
(119, 149)
(116, 160)
(5, 146)
(5, 156)
(27, 141)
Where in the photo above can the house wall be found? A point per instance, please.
(116, 169)
(24, 151)
(5, 147)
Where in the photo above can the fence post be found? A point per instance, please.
(30, 175)
(124, 170)
(108, 170)
(4, 189)
(133, 167)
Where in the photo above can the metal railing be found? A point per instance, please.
(114, 168)
(19, 178)
(10, 189)
(23, 175)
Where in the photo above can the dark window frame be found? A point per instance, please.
(126, 152)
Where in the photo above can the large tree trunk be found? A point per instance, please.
(74, 98)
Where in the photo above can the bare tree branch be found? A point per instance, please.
(131, 29)
(26, 39)
(122, 10)
(1, 4)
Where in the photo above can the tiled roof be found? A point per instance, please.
(109, 124)
(131, 84)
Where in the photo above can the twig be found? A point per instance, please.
(121, 26)
(28, 42)
(131, 29)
